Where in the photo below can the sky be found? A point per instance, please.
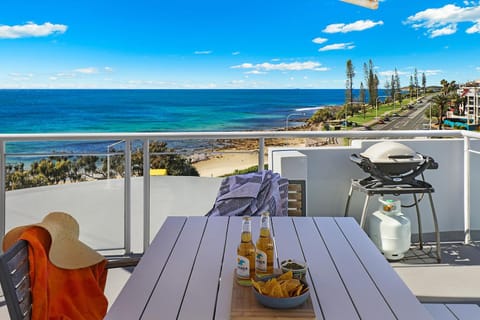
(190, 44)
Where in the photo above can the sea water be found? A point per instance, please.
(100, 111)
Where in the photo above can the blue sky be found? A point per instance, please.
(233, 44)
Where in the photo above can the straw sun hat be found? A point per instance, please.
(66, 250)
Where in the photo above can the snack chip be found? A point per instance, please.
(286, 276)
(283, 286)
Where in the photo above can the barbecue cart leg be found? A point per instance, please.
(347, 206)
(364, 212)
(437, 231)
(420, 232)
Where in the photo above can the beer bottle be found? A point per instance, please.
(245, 255)
(264, 248)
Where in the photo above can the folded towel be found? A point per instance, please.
(61, 293)
(251, 194)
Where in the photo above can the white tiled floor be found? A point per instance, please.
(455, 279)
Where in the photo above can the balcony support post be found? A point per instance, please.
(261, 153)
(127, 197)
(146, 194)
(466, 188)
(3, 213)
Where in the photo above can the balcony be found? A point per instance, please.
(121, 215)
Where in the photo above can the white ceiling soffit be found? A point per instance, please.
(371, 4)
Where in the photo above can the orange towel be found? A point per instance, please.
(60, 293)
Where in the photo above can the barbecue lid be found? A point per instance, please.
(391, 152)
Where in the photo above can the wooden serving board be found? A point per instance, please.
(245, 306)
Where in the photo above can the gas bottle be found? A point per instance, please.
(390, 229)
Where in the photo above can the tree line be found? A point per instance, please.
(447, 97)
(393, 89)
(62, 169)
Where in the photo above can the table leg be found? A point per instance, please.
(419, 221)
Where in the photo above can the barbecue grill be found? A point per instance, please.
(393, 164)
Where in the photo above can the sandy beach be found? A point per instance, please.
(225, 163)
(243, 154)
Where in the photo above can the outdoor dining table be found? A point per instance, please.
(188, 271)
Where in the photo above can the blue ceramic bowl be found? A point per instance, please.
(298, 268)
(282, 303)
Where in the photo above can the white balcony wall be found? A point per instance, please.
(98, 206)
(330, 171)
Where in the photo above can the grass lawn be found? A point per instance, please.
(383, 110)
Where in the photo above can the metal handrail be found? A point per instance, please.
(146, 137)
(467, 135)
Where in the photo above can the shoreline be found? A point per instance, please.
(243, 154)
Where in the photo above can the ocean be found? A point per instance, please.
(94, 111)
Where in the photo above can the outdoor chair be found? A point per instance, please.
(296, 198)
(15, 278)
(251, 194)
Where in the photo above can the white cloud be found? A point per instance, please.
(474, 29)
(451, 29)
(108, 69)
(359, 25)
(338, 46)
(255, 72)
(16, 76)
(443, 21)
(89, 70)
(430, 72)
(243, 66)
(235, 53)
(203, 52)
(319, 40)
(389, 73)
(293, 66)
(65, 75)
(30, 30)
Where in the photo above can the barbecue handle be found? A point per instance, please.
(356, 159)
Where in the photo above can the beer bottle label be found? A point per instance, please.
(261, 261)
(243, 267)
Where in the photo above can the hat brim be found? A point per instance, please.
(73, 254)
(65, 253)
(13, 235)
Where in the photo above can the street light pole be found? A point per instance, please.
(293, 114)
(430, 125)
(376, 106)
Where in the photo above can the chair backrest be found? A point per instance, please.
(296, 198)
(251, 194)
(15, 280)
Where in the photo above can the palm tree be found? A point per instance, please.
(441, 102)
(448, 87)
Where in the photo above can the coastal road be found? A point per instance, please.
(411, 120)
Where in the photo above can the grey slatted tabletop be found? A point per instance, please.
(188, 271)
